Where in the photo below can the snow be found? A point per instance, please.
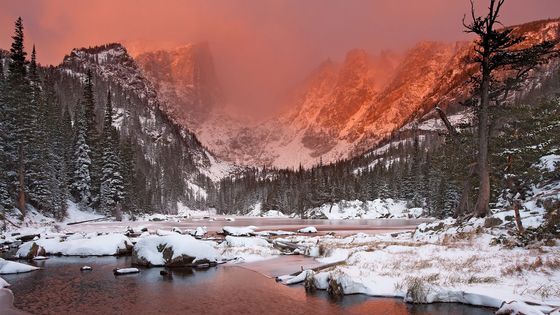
(124, 271)
(104, 245)
(518, 308)
(309, 229)
(247, 249)
(548, 162)
(239, 230)
(246, 241)
(149, 248)
(9, 267)
(274, 233)
(375, 209)
(442, 261)
(74, 214)
(257, 212)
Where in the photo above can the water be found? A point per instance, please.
(214, 225)
(61, 288)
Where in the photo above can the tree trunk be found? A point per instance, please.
(21, 183)
(518, 217)
(482, 209)
(463, 205)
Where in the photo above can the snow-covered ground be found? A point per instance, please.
(467, 267)
(356, 209)
(479, 261)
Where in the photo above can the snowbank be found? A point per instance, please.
(356, 209)
(257, 211)
(104, 245)
(9, 267)
(172, 250)
(247, 249)
(460, 265)
(239, 230)
(74, 214)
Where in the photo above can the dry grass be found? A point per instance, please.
(538, 264)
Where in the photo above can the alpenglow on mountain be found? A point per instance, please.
(341, 110)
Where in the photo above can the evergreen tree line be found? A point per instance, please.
(46, 157)
(426, 168)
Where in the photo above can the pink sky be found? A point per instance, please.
(261, 47)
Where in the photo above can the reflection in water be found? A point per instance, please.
(61, 288)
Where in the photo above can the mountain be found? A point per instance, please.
(341, 110)
(185, 80)
(175, 165)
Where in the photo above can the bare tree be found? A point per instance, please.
(505, 60)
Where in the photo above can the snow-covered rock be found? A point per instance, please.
(309, 229)
(9, 267)
(104, 245)
(125, 271)
(239, 230)
(172, 250)
(3, 283)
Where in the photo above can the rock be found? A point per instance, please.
(40, 258)
(335, 290)
(35, 251)
(164, 273)
(309, 282)
(492, 222)
(125, 271)
(179, 261)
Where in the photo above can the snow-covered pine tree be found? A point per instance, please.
(60, 137)
(81, 186)
(17, 111)
(92, 137)
(112, 187)
(6, 199)
(39, 167)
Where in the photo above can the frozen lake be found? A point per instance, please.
(61, 288)
(216, 223)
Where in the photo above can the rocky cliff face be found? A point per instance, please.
(186, 82)
(340, 111)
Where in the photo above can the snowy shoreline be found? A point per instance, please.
(438, 261)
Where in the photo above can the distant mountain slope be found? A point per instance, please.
(174, 162)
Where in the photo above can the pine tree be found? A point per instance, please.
(112, 187)
(92, 137)
(57, 131)
(17, 113)
(6, 199)
(81, 185)
(39, 168)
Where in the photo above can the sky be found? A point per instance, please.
(261, 48)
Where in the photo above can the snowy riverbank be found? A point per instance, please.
(478, 261)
